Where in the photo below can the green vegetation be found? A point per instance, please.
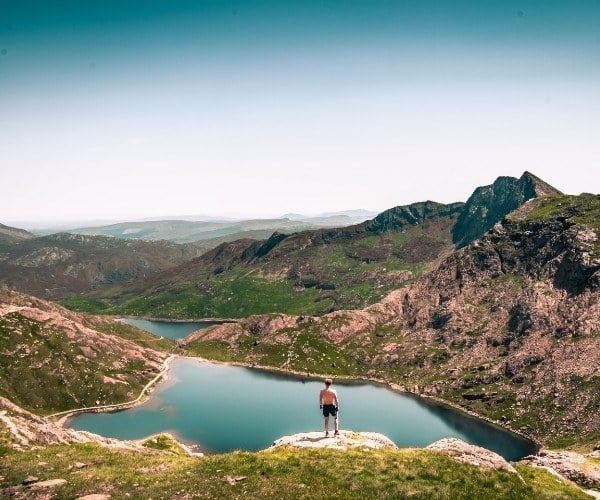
(128, 332)
(281, 473)
(302, 278)
(82, 303)
(231, 298)
(46, 369)
(583, 209)
(163, 442)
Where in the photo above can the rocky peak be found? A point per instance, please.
(408, 215)
(489, 204)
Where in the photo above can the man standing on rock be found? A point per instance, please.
(328, 402)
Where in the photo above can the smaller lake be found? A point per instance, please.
(174, 330)
(223, 408)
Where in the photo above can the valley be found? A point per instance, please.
(491, 306)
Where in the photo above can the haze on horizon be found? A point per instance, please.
(126, 110)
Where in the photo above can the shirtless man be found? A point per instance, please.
(328, 402)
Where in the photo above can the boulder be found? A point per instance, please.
(471, 454)
(345, 440)
(568, 464)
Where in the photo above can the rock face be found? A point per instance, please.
(489, 204)
(471, 454)
(568, 464)
(28, 430)
(345, 440)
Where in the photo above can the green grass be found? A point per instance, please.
(237, 297)
(282, 473)
(163, 442)
(307, 281)
(82, 303)
(582, 209)
(44, 370)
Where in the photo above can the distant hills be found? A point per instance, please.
(13, 235)
(210, 233)
(59, 265)
(318, 271)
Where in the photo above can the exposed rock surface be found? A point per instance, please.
(573, 466)
(489, 204)
(471, 454)
(345, 440)
(28, 430)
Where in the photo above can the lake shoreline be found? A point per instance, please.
(164, 376)
(216, 321)
(380, 382)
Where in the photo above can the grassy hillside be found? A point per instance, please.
(52, 359)
(60, 265)
(311, 272)
(282, 473)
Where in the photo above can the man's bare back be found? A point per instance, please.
(328, 396)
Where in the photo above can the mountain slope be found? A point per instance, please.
(488, 204)
(313, 272)
(59, 265)
(52, 359)
(309, 272)
(508, 327)
(12, 234)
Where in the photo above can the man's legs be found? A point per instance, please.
(335, 420)
(326, 426)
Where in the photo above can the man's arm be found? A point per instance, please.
(321, 399)
(335, 398)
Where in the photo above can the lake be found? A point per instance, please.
(222, 408)
(174, 330)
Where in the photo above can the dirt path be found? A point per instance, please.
(67, 413)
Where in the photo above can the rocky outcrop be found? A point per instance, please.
(568, 464)
(489, 204)
(28, 430)
(345, 440)
(471, 454)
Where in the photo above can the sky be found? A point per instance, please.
(115, 110)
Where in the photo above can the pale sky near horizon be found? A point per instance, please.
(128, 109)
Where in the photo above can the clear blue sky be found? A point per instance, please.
(124, 109)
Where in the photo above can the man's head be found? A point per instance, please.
(328, 382)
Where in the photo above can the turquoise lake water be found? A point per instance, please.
(221, 408)
(168, 329)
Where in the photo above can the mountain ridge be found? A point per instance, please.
(317, 271)
(506, 327)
